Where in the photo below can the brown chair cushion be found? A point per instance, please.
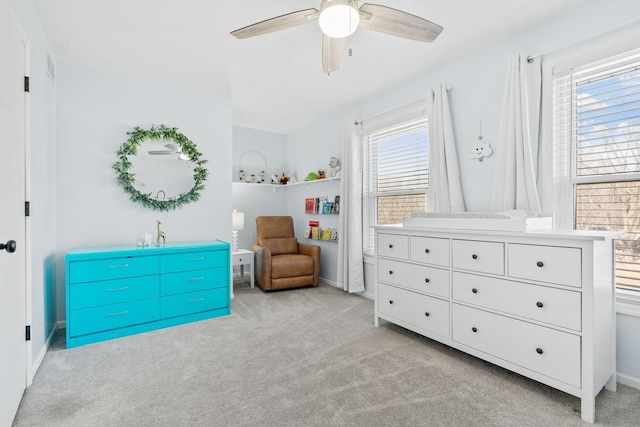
(281, 245)
(291, 266)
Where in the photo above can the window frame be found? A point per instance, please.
(590, 51)
(410, 113)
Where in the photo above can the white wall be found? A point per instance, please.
(476, 96)
(256, 200)
(95, 111)
(42, 180)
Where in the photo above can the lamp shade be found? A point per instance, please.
(339, 18)
(237, 220)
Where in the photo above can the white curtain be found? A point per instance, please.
(445, 191)
(517, 149)
(350, 268)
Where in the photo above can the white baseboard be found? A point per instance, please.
(35, 365)
(629, 381)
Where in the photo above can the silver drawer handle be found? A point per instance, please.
(118, 289)
(193, 279)
(122, 313)
(196, 259)
(119, 266)
(196, 300)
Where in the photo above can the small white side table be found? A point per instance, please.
(244, 257)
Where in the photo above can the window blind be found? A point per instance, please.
(596, 131)
(396, 173)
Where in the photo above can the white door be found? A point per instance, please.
(12, 215)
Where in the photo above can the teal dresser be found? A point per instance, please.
(117, 291)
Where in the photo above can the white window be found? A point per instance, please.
(395, 173)
(596, 136)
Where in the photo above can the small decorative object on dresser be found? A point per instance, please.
(541, 304)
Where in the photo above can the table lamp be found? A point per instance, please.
(237, 223)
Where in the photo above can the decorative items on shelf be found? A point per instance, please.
(321, 205)
(334, 168)
(313, 231)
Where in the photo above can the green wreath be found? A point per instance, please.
(127, 179)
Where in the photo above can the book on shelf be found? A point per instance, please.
(326, 233)
(334, 234)
(336, 205)
(309, 204)
(312, 230)
(326, 208)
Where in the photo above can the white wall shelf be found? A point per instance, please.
(277, 186)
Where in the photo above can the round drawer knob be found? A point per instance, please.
(427, 314)
(474, 290)
(390, 301)
(540, 264)
(539, 304)
(539, 350)
(426, 280)
(426, 251)
(474, 329)
(474, 256)
(390, 246)
(390, 271)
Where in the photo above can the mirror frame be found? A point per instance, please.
(126, 178)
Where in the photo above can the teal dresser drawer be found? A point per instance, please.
(190, 281)
(106, 317)
(112, 268)
(92, 294)
(194, 302)
(193, 261)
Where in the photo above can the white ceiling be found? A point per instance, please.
(275, 81)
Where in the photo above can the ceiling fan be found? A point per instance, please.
(339, 19)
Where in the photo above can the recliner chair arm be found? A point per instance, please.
(314, 252)
(262, 266)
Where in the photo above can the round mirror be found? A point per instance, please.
(160, 168)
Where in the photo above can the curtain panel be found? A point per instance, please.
(517, 149)
(445, 190)
(350, 262)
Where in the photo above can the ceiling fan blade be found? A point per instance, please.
(332, 53)
(275, 24)
(398, 23)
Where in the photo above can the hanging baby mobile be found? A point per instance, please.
(481, 148)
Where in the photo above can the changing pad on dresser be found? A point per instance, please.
(513, 220)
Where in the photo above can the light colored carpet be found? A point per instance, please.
(307, 357)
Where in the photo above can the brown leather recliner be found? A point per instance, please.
(280, 261)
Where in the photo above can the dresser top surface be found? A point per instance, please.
(133, 250)
(556, 234)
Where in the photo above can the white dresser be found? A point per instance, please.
(540, 304)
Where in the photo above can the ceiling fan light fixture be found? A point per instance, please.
(339, 18)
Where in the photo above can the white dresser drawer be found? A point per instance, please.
(419, 277)
(427, 313)
(550, 264)
(430, 250)
(485, 257)
(557, 307)
(543, 350)
(393, 246)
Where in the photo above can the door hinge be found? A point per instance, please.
(27, 334)
(26, 83)
(27, 208)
